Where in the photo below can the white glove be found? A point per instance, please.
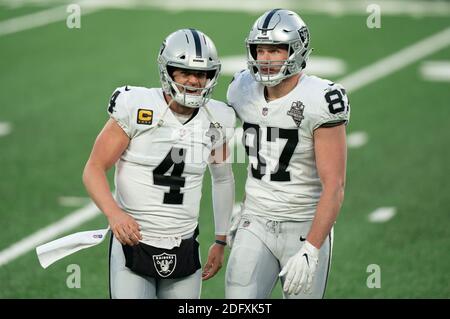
(300, 270)
(234, 224)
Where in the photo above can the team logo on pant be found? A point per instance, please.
(296, 112)
(165, 264)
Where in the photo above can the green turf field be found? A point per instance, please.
(55, 84)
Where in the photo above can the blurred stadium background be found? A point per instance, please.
(55, 83)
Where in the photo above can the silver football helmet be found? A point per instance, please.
(278, 26)
(193, 50)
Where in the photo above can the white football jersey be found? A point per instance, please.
(283, 183)
(159, 177)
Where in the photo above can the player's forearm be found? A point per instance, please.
(327, 211)
(96, 183)
(223, 196)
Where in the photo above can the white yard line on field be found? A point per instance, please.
(397, 61)
(382, 214)
(435, 71)
(353, 82)
(5, 128)
(330, 7)
(357, 139)
(46, 234)
(41, 18)
(73, 201)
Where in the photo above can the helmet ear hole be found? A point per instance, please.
(210, 74)
(170, 70)
(253, 51)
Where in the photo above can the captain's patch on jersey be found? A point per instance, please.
(145, 116)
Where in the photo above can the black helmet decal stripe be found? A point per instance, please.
(269, 16)
(198, 45)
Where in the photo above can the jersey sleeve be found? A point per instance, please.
(118, 110)
(235, 89)
(230, 124)
(232, 92)
(333, 107)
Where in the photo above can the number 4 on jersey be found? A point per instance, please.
(175, 181)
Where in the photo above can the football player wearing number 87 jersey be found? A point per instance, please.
(161, 140)
(294, 136)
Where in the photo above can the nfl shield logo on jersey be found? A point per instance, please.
(165, 264)
(265, 111)
(296, 112)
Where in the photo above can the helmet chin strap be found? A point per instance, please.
(211, 118)
(161, 120)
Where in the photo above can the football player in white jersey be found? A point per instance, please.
(161, 140)
(294, 135)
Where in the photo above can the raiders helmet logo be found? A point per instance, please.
(165, 264)
(304, 35)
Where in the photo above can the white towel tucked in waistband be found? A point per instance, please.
(57, 249)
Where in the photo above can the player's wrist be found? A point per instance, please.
(311, 249)
(220, 242)
(113, 212)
